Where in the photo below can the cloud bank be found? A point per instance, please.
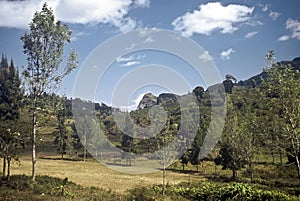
(17, 14)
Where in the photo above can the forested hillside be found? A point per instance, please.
(261, 117)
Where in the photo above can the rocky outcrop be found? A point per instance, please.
(166, 97)
(147, 101)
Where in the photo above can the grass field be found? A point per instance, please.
(98, 182)
(93, 173)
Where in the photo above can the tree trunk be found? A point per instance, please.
(273, 158)
(62, 145)
(280, 154)
(203, 167)
(164, 180)
(182, 167)
(8, 168)
(84, 148)
(298, 165)
(34, 119)
(215, 168)
(234, 174)
(251, 171)
(4, 167)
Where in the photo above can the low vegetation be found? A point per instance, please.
(21, 187)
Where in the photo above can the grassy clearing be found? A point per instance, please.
(92, 173)
(98, 182)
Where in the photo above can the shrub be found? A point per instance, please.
(143, 193)
(232, 191)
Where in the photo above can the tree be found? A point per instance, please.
(86, 127)
(62, 138)
(11, 142)
(77, 146)
(165, 153)
(10, 102)
(44, 47)
(127, 139)
(282, 88)
(199, 138)
(98, 141)
(184, 160)
(231, 155)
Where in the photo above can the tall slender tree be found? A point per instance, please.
(44, 47)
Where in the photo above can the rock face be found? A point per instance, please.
(166, 97)
(147, 101)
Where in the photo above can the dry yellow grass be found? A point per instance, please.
(92, 173)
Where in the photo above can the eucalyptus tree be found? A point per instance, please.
(44, 47)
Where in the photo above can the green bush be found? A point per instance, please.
(144, 194)
(232, 191)
(21, 187)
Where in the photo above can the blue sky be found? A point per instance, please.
(235, 34)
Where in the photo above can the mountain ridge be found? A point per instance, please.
(229, 83)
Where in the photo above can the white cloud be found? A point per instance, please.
(205, 57)
(225, 55)
(251, 34)
(284, 38)
(149, 40)
(130, 63)
(254, 23)
(212, 16)
(294, 27)
(76, 35)
(132, 45)
(17, 14)
(274, 15)
(265, 7)
(124, 59)
(130, 60)
(142, 3)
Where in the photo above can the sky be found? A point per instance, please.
(234, 36)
